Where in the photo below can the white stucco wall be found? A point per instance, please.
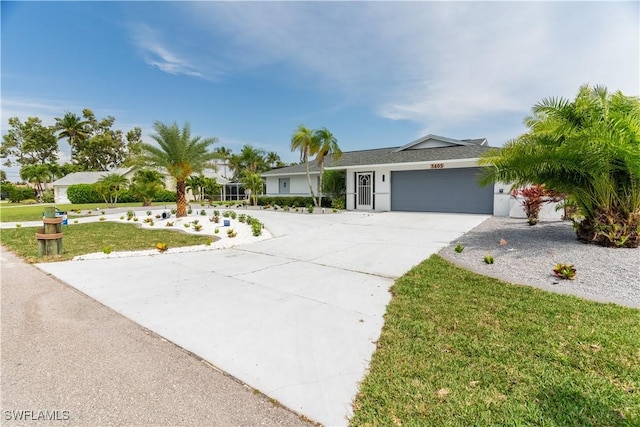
(298, 185)
(382, 191)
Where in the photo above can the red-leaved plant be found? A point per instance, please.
(534, 197)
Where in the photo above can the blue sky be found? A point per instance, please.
(377, 74)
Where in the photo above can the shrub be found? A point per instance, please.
(5, 190)
(166, 196)
(338, 203)
(162, 247)
(231, 232)
(19, 194)
(203, 212)
(256, 228)
(107, 250)
(459, 248)
(310, 208)
(291, 201)
(48, 196)
(83, 193)
(534, 197)
(488, 259)
(565, 271)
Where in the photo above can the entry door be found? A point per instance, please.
(364, 190)
(283, 185)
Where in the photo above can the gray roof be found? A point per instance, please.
(386, 156)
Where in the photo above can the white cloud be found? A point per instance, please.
(438, 64)
(157, 54)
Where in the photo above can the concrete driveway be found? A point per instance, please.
(296, 316)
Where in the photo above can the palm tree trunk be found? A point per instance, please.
(181, 199)
(320, 184)
(313, 196)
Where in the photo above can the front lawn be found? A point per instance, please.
(18, 213)
(460, 349)
(80, 239)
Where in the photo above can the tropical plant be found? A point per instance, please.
(110, 186)
(565, 271)
(303, 140)
(589, 149)
(180, 154)
(146, 184)
(273, 159)
(334, 186)
(326, 145)
(194, 184)
(73, 128)
(38, 175)
(254, 183)
(249, 161)
(534, 197)
(223, 154)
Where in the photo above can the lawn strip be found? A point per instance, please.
(80, 239)
(461, 349)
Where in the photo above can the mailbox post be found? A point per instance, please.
(49, 236)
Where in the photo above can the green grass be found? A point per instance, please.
(80, 239)
(460, 349)
(17, 212)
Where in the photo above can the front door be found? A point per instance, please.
(283, 185)
(364, 190)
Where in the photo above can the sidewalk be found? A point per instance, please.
(66, 356)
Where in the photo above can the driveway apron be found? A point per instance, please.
(296, 316)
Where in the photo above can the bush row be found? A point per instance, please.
(16, 194)
(87, 193)
(291, 201)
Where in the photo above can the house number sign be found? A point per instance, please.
(437, 165)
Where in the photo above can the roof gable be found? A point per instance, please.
(436, 141)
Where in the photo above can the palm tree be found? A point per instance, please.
(253, 182)
(110, 186)
(195, 184)
(303, 140)
(250, 160)
(146, 184)
(72, 127)
(589, 149)
(224, 154)
(180, 154)
(326, 144)
(273, 159)
(38, 175)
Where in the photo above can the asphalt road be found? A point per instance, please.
(69, 360)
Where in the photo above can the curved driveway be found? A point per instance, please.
(296, 316)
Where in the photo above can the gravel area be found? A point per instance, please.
(530, 253)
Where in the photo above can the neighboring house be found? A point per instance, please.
(431, 174)
(229, 190)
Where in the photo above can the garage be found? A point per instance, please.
(440, 190)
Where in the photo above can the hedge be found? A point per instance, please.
(298, 201)
(83, 193)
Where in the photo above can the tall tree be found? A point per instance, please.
(326, 145)
(273, 159)
(180, 154)
(303, 140)
(250, 160)
(588, 148)
(105, 146)
(29, 143)
(73, 128)
(146, 184)
(223, 154)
